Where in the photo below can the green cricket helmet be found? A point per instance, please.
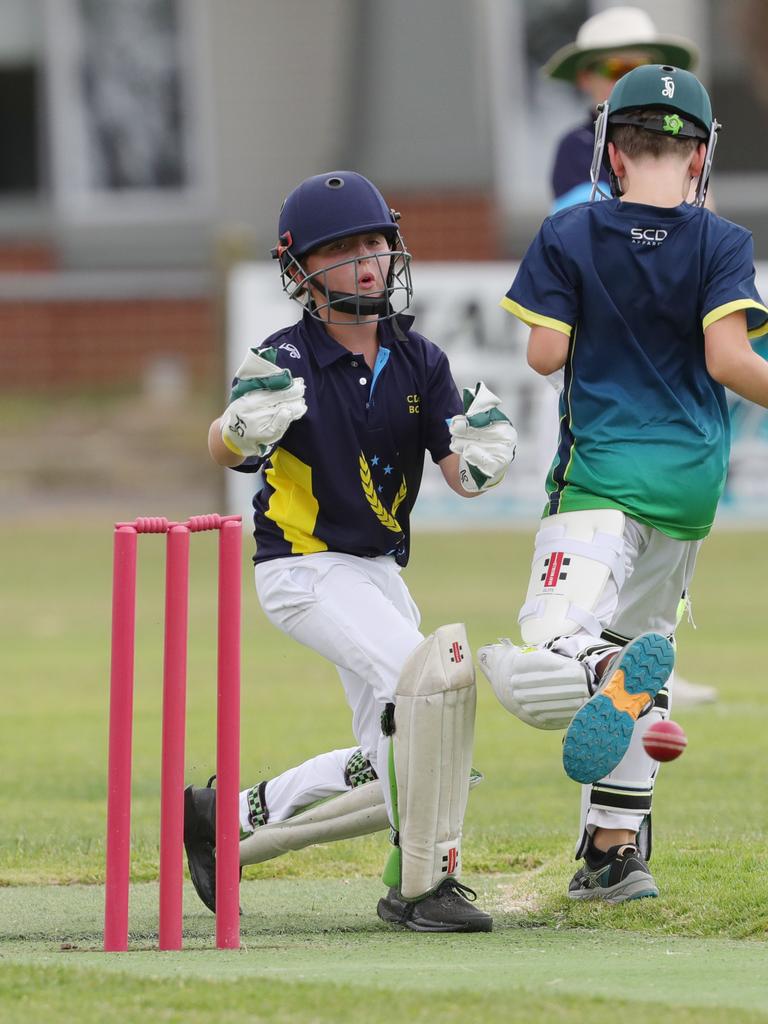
(685, 111)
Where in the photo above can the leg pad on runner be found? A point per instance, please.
(575, 555)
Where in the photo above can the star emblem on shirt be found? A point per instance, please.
(375, 460)
(388, 469)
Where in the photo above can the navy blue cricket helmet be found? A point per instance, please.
(327, 207)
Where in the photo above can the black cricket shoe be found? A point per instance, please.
(448, 909)
(617, 875)
(200, 841)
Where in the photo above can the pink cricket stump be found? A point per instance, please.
(228, 740)
(173, 729)
(120, 728)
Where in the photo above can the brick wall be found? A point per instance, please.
(448, 226)
(87, 343)
(21, 256)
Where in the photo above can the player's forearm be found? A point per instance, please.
(218, 450)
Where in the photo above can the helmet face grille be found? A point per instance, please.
(312, 290)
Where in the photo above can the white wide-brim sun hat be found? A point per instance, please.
(614, 30)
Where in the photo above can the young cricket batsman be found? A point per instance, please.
(648, 303)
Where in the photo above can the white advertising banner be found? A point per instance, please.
(457, 306)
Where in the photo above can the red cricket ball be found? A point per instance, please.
(664, 741)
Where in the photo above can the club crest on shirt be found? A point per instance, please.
(387, 517)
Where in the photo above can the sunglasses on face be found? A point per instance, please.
(615, 67)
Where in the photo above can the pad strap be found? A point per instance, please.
(605, 547)
(585, 619)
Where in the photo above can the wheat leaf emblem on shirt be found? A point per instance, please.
(369, 490)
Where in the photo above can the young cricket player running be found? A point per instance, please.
(339, 412)
(648, 303)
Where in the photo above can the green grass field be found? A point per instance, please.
(313, 949)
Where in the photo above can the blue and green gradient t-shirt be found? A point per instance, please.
(643, 426)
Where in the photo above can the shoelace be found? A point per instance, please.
(460, 889)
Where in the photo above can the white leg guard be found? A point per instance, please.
(356, 813)
(624, 798)
(575, 555)
(430, 761)
(536, 685)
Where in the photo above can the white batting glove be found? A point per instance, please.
(484, 439)
(263, 404)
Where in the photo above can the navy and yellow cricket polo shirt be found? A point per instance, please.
(346, 475)
(643, 426)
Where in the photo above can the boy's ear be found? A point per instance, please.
(697, 160)
(616, 160)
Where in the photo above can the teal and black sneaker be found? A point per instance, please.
(619, 874)
(600, 731)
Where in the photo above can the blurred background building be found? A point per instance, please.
(147, 144)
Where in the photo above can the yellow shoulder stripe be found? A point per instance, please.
(731, 307)
(532, 319)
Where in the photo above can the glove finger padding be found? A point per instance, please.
(484, 439)
(263, 403)
(259, 372)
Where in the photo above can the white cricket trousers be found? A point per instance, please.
(357, 613)
(658, 569)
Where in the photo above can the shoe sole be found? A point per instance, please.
(600, 733)
(392, 917)
(636, 886)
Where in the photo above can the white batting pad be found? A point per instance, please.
(434, 731)
(539, 687)
(575, 554)
(355, 813)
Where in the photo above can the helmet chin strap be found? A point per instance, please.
(348, 302)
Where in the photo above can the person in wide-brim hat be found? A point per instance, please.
(607, 46)
(614, 31)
